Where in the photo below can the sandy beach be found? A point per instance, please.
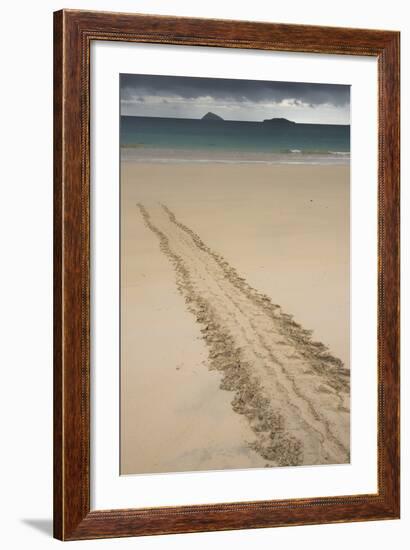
(234, 316)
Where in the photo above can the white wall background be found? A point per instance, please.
(26, 269)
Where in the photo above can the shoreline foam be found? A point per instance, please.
(141, 154)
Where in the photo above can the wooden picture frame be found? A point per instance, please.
(74, 32)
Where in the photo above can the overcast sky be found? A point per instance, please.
(187, 97)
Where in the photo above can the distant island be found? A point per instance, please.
(282, 122)
(211, 116)
(277, 122)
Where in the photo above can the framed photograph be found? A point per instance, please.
(226, 275)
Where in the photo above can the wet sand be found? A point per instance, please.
(214, 373)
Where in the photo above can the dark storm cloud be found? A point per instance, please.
(135, 87)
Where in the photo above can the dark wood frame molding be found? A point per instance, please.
(73, 33)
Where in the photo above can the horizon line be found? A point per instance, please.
(235, 120)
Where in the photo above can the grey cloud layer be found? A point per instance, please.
(136, 87)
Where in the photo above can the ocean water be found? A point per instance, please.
(150, 139)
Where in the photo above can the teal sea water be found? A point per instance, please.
(151, 139)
